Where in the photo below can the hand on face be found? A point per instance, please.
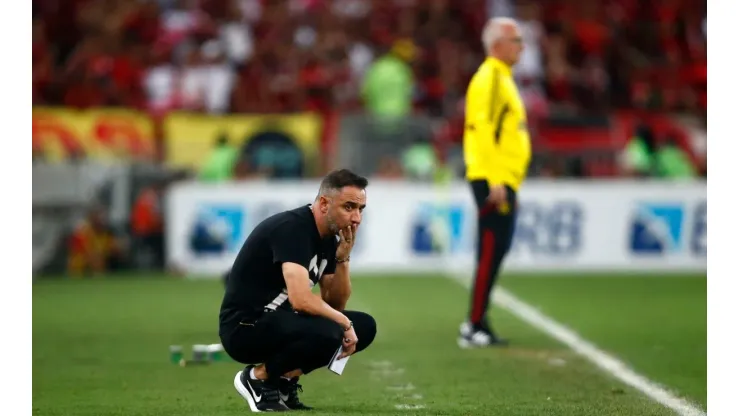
(346, 241)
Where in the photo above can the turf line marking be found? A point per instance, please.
(591, 352)
(385, 370)
(381, 365)
(402, 388)
(410, 406)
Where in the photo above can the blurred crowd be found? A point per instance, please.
(380, 57)
(292, 55)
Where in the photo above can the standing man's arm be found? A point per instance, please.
(481, 110)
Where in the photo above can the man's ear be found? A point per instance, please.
(324, 204)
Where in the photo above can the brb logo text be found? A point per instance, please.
(549, 229)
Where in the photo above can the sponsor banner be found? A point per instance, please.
(101, 134)
(561, 226)
(286, 145)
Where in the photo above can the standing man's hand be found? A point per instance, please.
(497, 195)
(346, 242)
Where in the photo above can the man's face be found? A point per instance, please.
(510, 46)
(344, 208)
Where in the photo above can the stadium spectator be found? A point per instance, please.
(611, 41)
(672, 162)
(388, 86)
(147, 227)
(236, 36)
(219, 164)
(162, 83)
(638, 157)
(93, 248)
(582, 61)
(530, 70)
(217, 78)
(420, 161)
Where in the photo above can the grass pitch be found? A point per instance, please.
(100, 347)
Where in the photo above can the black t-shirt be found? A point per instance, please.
(256, 283)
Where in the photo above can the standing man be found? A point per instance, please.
(497, 154)
(269, 317)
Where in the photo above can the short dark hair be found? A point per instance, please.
(338, 179)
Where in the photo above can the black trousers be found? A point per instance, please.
(495, 234)
(285, 341)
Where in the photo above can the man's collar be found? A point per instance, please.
(316, 234)
(315, 228)
(500, 64)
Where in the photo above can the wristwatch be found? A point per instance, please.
(341, 260)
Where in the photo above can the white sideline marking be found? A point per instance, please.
(603, 360)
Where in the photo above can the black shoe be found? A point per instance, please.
(261, 396)
(289, 394)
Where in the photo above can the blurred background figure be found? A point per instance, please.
(673, 162)
(638, 157)
(220, 163)
(647, 157)
(291, 89)
(93, 247)
(388, 87)
(147, 227)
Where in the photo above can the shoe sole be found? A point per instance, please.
(464, 343)
(242, 390)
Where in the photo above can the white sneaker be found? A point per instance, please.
(471, 338)
(477, 339)
(466, 329)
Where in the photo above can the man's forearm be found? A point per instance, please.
(314, 305)
(340, 288)
(481, 190)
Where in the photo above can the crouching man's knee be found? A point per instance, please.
(365, 328)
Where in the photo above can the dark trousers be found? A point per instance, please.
(285, 341)
(495, 234)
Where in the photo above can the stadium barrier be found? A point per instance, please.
(100, 134)
(277, 142)
(586, 226)
(280, 142)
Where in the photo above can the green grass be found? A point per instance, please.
(101, 348)
(657, 324)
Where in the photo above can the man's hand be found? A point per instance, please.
(346, 241)
(349, 343)
(497, 195)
